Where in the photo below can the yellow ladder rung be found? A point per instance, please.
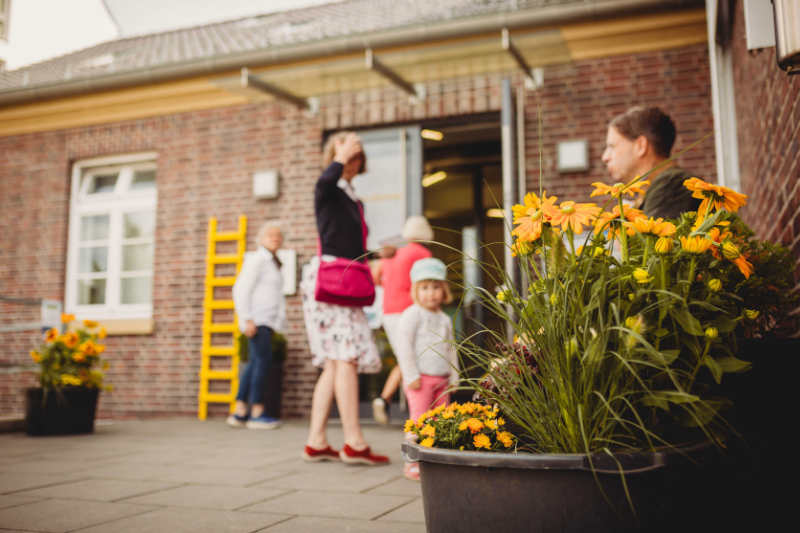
(228, 236)
(226, 281)
(218, 304)
(219, 397)
(221, 259)
(222, 328)
(216, 374)
(219, 350)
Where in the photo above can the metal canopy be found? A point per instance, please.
(373, 63)
(249, 80)
(533, 77)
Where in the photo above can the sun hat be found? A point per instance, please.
(428, 268)
(417, 228)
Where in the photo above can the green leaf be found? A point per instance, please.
(676, 397)
(670, 355)
(687, 321)
(732, 364)
(724, 324)
(714, 367)
(661, 332)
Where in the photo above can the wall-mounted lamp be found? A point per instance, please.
(573, 156)
(265, 184)
(431, 135)
(495, 212)
(787, 34)
(436, 177)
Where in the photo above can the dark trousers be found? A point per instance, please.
(251, 385)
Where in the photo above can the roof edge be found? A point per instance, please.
(342, 45)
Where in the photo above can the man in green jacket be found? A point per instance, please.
(640, 140)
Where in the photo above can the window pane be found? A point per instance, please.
(143, 180)
(93, 259)
(139, 224)
(103, 183)
(136, 290)
(94, 227)
(137, 257)
(91, 291)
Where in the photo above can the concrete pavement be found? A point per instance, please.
(176, 475)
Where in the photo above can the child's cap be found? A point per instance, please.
(428, 268)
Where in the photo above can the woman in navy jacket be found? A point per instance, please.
(339, 336)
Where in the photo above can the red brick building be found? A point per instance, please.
(167, 117)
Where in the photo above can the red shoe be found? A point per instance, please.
(364, 457)
(326, 454)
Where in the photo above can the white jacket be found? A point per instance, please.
(425, 345)
(258, 292)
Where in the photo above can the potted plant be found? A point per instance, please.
(70, 379)
(614, 386)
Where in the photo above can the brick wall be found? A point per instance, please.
(205, 163)
(768, 125)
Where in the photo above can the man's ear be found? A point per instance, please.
(640, 146)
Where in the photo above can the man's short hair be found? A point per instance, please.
(656, 126)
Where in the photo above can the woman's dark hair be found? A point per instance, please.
(654, 124)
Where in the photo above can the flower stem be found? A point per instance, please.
(623, 236)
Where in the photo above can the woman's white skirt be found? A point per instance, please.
(335, 331)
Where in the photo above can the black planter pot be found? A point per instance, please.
(67, 411)
(547, 493)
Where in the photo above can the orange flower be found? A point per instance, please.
(731, 252)
(619, 189)
(89, 348)
(716, 196)
(482, 441)
(36, 356)
(696, 245)
(610, 220)
(531, 216)
(473, 424)
(70, 339)
(102, 333)
(51, 335)
(79, 357)
(66, 318)
(658, 227)
(571, 215)
(90, 323)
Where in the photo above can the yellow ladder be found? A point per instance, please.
(209, 306)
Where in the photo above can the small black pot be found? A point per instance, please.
(65, 411)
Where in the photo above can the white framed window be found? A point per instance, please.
(112, 237)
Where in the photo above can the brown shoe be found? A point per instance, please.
(326, 454)
(363, 457)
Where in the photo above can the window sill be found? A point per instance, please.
(124, 326)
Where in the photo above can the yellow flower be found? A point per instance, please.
(491, 424)
(635, 323)
(654, 226)
(79, 357)
(715, 196)
(473, 424)
(664, 245)
(521, 248)
(89, 348)
(102, 333)
(428, 443)
(711, 333)
(51, 335)
(70, 339)
(482, 441)
(610, 220)
(503, 295)
(90, 323)
(501, 421)
(696, 244)
(619, 189)
(506, 438)
(574, 216)
(752, 314)
(68, 379)
(66, 318)
(531, 216)
(447, 414)
(428, 431)
(641, 276)
(36, 356)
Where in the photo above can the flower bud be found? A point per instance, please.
(712, 332)
(714, 285)
(641, 276)
(553, 299)
(503, 295)
(730, 250)
(664, 245)
(752, 314)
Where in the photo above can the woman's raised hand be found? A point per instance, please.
(346, 148)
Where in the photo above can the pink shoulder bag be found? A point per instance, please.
(346, 282)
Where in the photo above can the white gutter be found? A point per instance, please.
(548, 15)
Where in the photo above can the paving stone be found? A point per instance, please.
(411, 512)
(400, 487)
(208, 497)
(64, 515)
(331, 504)
(306, 524)
(103, 490)
(177, 520)
(341, 479)
(16, 481)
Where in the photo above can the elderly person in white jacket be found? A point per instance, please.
(261, 307)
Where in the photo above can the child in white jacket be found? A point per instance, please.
(425, 350)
